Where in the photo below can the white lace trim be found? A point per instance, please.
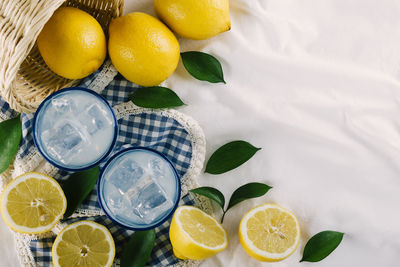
(3, 117)
(103, 78)
(33, 161)
(24, 253)
(86, 213)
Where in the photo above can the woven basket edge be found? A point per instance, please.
(7, 91)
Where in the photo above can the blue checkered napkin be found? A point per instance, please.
(153, 130)
(161, 254)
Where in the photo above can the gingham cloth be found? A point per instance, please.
(164, 134)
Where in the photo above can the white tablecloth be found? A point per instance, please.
(316, 85)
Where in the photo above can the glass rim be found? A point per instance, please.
(165, 217)
(39, 146)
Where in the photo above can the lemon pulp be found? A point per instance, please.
(195, 234)
(269, 233)
(83, 243)
(33, 203)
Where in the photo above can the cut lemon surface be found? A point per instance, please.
(84, 243)
(196, 235)
(269, 232)
(32, 203)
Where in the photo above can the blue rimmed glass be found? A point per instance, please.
(170, 185)
(98, 149)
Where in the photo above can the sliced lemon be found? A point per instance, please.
(269, 233)
(196, 235)
(84, 243)
(32, 203)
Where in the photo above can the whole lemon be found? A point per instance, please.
(142, 48)
(72, 43)
(195, 19)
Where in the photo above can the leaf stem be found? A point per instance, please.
(223, 216)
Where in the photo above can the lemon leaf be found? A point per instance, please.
(211, 193)
(138, 249)
(203, 66)
(10, 138)
(155, 97)
(248, 191)
(77, 187)
(321, 245)
(230, 156)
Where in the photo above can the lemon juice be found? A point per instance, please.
(139, 188)
(75, 128)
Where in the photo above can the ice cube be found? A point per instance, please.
(114, 198)
(126, 175)
(94, 118)
(132, 166)
(148, 199)
(63, 140)
(156, 167)
(60, 109)
(63, 106)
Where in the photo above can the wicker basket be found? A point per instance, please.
(25, 79)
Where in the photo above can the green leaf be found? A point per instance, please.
(203, 66)
(138, 249)
(230, 156)
(77, 187)
(321, 245)
(211, 193)
(10, 138)
(247, 191)
(155, 97)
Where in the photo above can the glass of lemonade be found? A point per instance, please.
(75, 128)
(139, 188)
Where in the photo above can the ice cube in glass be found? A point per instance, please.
(148, 199)
(114, 197)
(68, 105)
(126, 175)
(156, 167)
(94, 118)
(63, 106)
(64, 140)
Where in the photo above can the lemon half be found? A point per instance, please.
(32, 203)
(84, 243)
(269, 232)
(196, 235)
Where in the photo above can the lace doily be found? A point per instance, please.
(33, 161)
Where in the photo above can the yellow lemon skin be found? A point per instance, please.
(142, 48)
(195, 19)
(72, 43)
(184, 247)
